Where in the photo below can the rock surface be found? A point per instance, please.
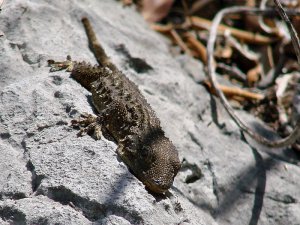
(49, 176)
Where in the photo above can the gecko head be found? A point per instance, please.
(158, 162)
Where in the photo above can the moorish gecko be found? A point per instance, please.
(127, 116)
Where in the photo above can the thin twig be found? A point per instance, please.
(188, 21)
(294, 36)
(242, 49)
(161, 28)
(263, 26)
(198, 5)
(233, 71)
(180, 42)
(266, 12)
(199, 47)
(271, 76)
(235, 91)
(211, 73)
(246, 36)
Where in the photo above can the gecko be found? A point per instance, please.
(125, 113)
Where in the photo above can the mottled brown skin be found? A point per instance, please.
(125, 113)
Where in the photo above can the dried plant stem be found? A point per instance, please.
(235, 91)
(198, 5)
(161, 28)
(212, 76)
(180, 42)
(294, 36)
(245, 36)
(233, 72)
(267, 12)
(200, 48)
(263, 26)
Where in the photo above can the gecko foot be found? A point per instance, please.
(88, 123)
(56, 65)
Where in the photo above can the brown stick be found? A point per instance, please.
(235, 91)
(245, 36)
(199, 47)
(180, 42)
(161, 28)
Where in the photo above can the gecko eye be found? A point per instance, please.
(157, 182)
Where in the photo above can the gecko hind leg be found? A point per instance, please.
(88, 123)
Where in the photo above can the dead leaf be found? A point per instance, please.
(155, 10)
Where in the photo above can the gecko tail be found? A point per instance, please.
(96, 47)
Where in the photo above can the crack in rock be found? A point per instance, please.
(285, 199)
(216, 189)
(13, 215)
(195, 140)
(36, 180)
(90, 209)
(196, 173)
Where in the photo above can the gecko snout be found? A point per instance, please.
(165, 165)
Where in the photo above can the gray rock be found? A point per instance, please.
(40, 210)
(52, 177)
(15, 177)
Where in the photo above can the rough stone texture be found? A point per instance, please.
(49, 176)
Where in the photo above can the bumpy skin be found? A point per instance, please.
(125, 113)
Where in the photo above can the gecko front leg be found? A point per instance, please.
(89, 123)
(56, 65)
